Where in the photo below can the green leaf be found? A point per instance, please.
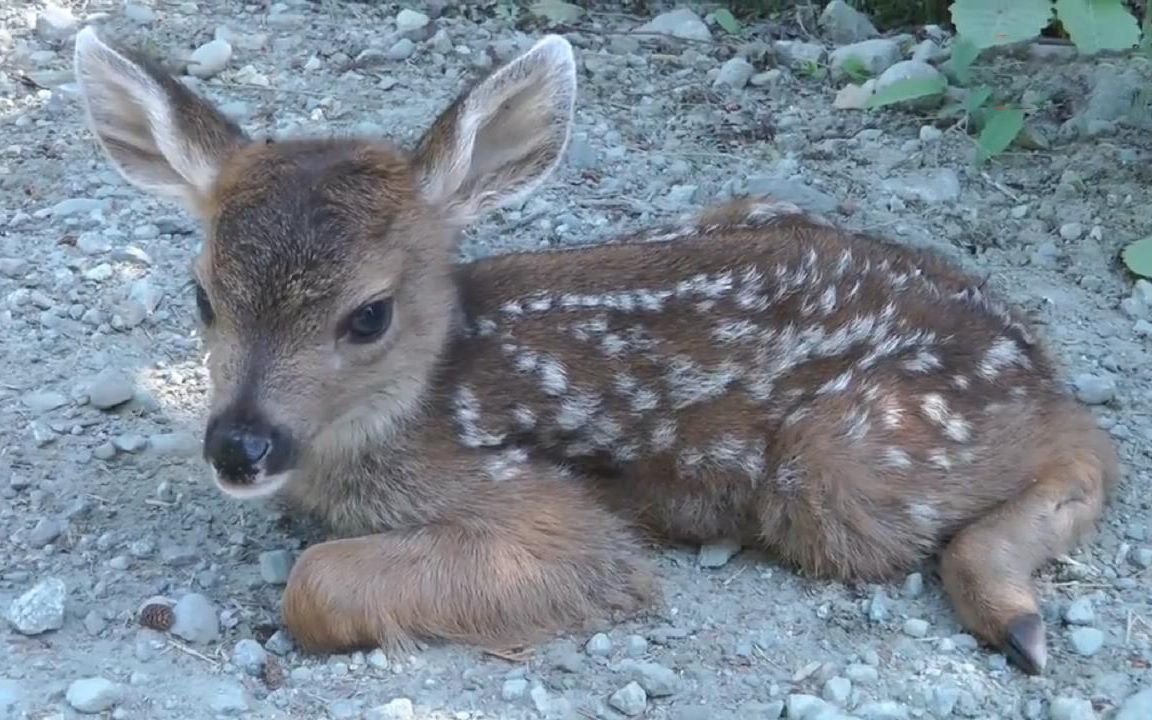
(557, 12)
(1001, 128)
(964, 53)
(987, 23)
(1096, 25)
(727, 20)
(1138, 257)
(976, 98)
(907, 89)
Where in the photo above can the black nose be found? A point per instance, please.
(240, 446)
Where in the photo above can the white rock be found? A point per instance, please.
(40, 609)
(195, 619)
(398, 709)
(631, 700)
(93, 695)
(734, 73)
(410, 20)
(1136, 707)
(796, 53)
(55, 24)
(1065, 708)
(717, 554)
(209, 59)
(853, 96)
(845, 24)
(875, 56)
(681, 23)
(908, 70)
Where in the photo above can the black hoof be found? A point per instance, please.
(1025, 645)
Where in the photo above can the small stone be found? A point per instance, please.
(915, 627)
(196, 619)
(873, 56)
(40, 609)
(92, 243)
(513, 689)
(398, 709)
(657, 680)
(55, 24)
(1094, 389)
(944, 699)
(378, 659)
(599, 645)
(109, 389)
(229, 699)
(1136, 707)
(932, 187)
(209, 59)
(175, 443)
(837, 690)
(178, 555)
(882, 710)
(249, 656)
(77, 206)
(93, 695)
(275, 566)
(630, 700)
(862, 674)
(927, 51)
(786, 189)
(734, 73)
(798, 54)
(410, 20)
(94, 623)
(681, 23)
(139, 14)
(910, 71)
(402, 49)
(930, 134)
(806, 707)
(1140, 557)
(878, 607)
(343, 709)
(635, 646)
(45, 531)
(913, 585)
(1071, 231)
(1086, 641)
(766, 78)
(853, 96)
(130, 442)
(120, 562)
(281, 644)
(844, 24)
(714, 555)
(1065, 708)
(1080, 612)
(44, 402)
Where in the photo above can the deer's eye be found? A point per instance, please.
(204, 306)
(368, 322)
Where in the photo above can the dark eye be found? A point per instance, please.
(369, 321)
(204, 306)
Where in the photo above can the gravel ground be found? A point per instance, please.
(105, 507)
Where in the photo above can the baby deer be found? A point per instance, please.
(492, 440)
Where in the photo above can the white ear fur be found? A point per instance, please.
(157, 133)
(502, 140)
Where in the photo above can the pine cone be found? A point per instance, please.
(157, 616)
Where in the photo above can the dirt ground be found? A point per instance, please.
(106, 503)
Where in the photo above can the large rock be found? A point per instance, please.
(681, 23)
(844, 24)
(39, 610)
(874, 56)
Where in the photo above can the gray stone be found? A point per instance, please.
(1086, 641)
(910, 70)
(229, 699)
(182, 444)
(1080, 612)
(378, 659)
(195, 619)
(927, 51)
(281, 643)
(837, 690)
(844, 24)
(513, 689)
(635, 646)
(1140, 557)
(11, 695)
(343, 709)
(681, 23)
(875, 56)
(599, 645)
(631, 700)
(410, 20)
(77, 206)
(805, 707)
(762, 711)
(1064, 708)
(55, 24)
(882, 710)
(209, 59)
(931, 187)
(878, 607)
(40, 609)
(913, 585)
(402, 49)
(139, 14)
(94, 623)
(944, 699)
(249, 656)
(1094, 389)
(93, 695)
(797, 53)
(398, 709)
(915, 627)
(93, 243)
(275, 566)
(794, 191)
(714, 555)
(130, 442)
(45, 531)
(1136, 707)
(862, 674)
(44, 402)
(734, 73)
(109, 389)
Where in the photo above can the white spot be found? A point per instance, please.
(576, 410)
(923, 515)
(527, 361)
(736, 330)
(512, 307)
(828, 300)
(837, 384)
(485, 327)
(525, 417)
(897, 458)
(664, 435)
(961, 382)
(936, 409)
(1002, 353)
(644, 400)
(553, 377)
(940, 459)
(508, 465)
(467, 407)
(689, 383)
(892, 413)
(613, 345)
(626, 452)
(788, 477)
(923, 361)
(603, 431)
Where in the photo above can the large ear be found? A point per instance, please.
(161, 136)
(499, 141)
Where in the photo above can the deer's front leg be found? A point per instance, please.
(519, 559)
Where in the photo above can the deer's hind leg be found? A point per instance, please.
(987, 568)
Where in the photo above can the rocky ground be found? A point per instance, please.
(105, 506)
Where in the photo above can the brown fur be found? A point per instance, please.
(492, 462)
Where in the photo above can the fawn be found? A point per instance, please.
(491, 442)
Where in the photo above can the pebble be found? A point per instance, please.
(281, 643)
(599, 645)
(735, 73)
(40, 609)
(630, 700)
(1094, 389)
(11, 695)
(1071, 231)
(1080, 612)
(178, 555)
(635, 646)
(139, 14)
(209, 59)
(195, 619)
(94, 623)
(790, 190)
(1136, 707)
(45, 531)
(398, 709)
(930, 134)
(77, 206)
(55, 24)
(376, 659)
(944, 699)
(913, 585)
(93, 695)
(402, 49)
(878, 607)
(1064, 708)
(844, 24)
(681, 23)
(513, 689)
(882, 710)
(175, 443)
(798, 54)
(932, 187)
(908, 70)
(229, 699)
(276, 566)
(1086, 641)
(109, 388)
(875, 56)
(1140, 557)
(805, 707)
(410, 20)
(862, 674)
(249, 656)
(714, 555)
(915, 627)
(130, 442)
(44, 402)
(837, 690)
(656, 679)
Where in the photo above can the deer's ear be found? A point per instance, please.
(499, 141)
(160, 136)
